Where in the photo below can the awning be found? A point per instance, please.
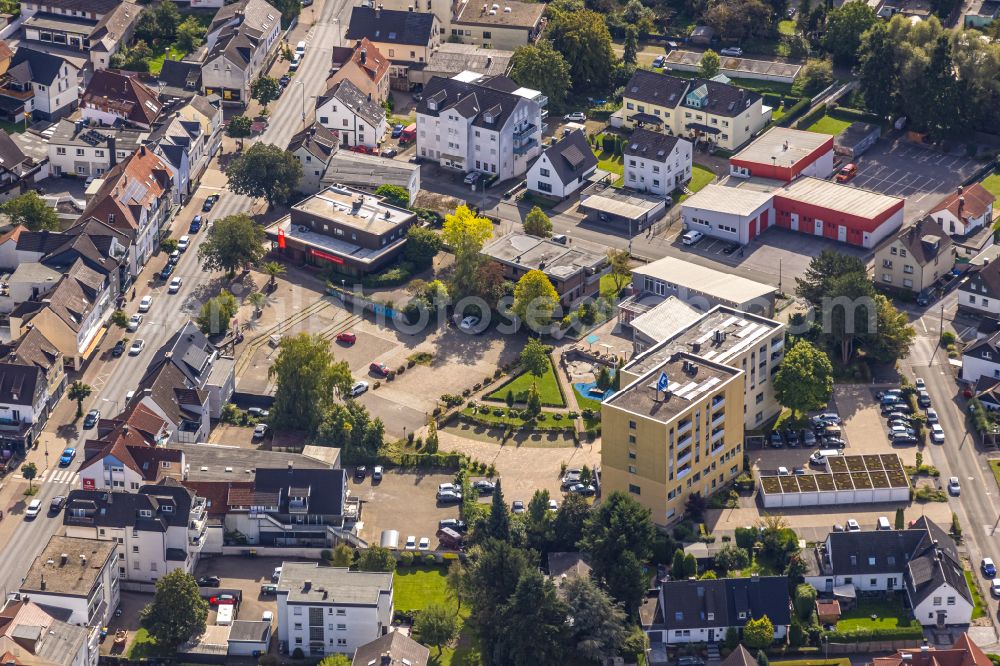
(101, 332)
(453, 158)
(646, 118)
(845, 591)
(703, 128)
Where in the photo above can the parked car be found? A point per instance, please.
(469, 323)
(484, 487)
(449, 496)
(134, 322)
(988, 568)
(453, 524)
(808, 438)
(175, 285)
(932, 415)
(576, 116)
(411, 543)
(376, 473)
(920, 383)
(260, 431)
(212, 198)
(792, 438)
(827, 418)
(776, 441)
(424, 545)
(732, 52)
(93, 416)
(276, 574)
(390, 152)
(923, 399)
(360, 473)
(57, 503)
(137, 346)
(995, 587)
(954, 487)
(379, 369)
(783, 471)
(167, 270)
(119, 348)
(183, 242)
(222, 600)
(359, 388)
(209, 581)
(268, 589)
(903, 439)
(145, 303)
(195, 225)
(692, 237)
(517, 507)
(582, 489)
(896, 392)
(267, 616)
(553, 505)
(658, 61)
(937, 433)
(397, 130)
(285, 80)
(471, 178)
(67, 456)
(853, 526)
(33, 509)
(347, 337)
(847, 172)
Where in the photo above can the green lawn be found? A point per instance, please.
(977, 599)
(173, 53)
(608, 285)
(995, 467)
(416, 588)
(548, 389)
(787, 27)
(607, 161)
(992, 183)
(829, 125)
(143, 646)
(888, 615)
(700, 177)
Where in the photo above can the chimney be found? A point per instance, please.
(906, 657)
(63, 559)
(42, 584)
(290, 467)
(307, 585)
(364, 55)
(111, 151)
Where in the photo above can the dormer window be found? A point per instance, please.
(145, 513)
(168, 509)
(432, 105)
(488, 117)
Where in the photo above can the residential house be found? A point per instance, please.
(367, 172)
(241, 43)
(406, 38)
(365, 67)
(980, 292)
(700, 611)
(30, 635)
(158, 529)
(358, 120)
(166, 391)
(134, 197)
(981, 359)
(200, 109)
(507, 27)
(179, 78)
(34, 146)
(201, 364)
(921, 562)
(965, 210)
(718, 113)
(563, 167)
(489, 125)
(392, 649)
(28, 282)
(575, 273)
(54, 82)
(115, 98)
(656, 163)
(17, 170)
(916, 258)
(130, 452)
(963, 652)
(183, 145)
(78, 579)
(313, 147)
(329, 610)
(357, 232)
(77, 149)
(71, 315)
(97, 29)
(8, 247)
(34, 349)
(24, 406)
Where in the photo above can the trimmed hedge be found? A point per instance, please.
(913, 632)
(448, 461)
(809, 119)
(845, 113)
(393, 276)
(470, 415)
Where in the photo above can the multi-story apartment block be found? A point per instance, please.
(78, 576)
(472, 123)
(406, 38)
(96, 29)
(24, 405)
(328, 610)
(916, 258)
(751, 343)
(241, 42)
(32, 634)
(52, 81)
(702, 110)
(77, 149)
(656, 163)
(158, 529)
(675, 430)
(495, 25)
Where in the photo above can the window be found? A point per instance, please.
(937, 601)
(544, 187)
(908, 283)
(135, 565)
(341, 611)
(631, 439)
(341, 627)
(892, 251)
(545, 173)
(631, 455)
(886, 278)
(908, 269)
(634, 489)
(902, 252)
(951, 601)
(631, 469)
(341, 641)
(152, 566)
(60, 151)
(487, 34)
(631, 425)
(323, 120)
(760, 398)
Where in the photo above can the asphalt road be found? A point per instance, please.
(112, 379)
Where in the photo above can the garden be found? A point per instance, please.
(418, 587)
(877, 618)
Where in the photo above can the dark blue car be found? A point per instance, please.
(397, 131)
(195, 224)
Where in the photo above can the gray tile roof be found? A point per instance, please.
(389, 26)
(571, 157)
(688, 604)
(650, 145)
(401, 651)
(351, 96)
(472, 100)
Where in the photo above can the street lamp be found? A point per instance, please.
(302, 89)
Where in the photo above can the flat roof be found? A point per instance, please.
(718, 335)
(307, 582)
(531, 252)
(730, 200)
(305, 236)
(354, 208)
(724, 286)
(618, 202)
(735, 66)
(641, 397)
(510, 14)
(217, 462)
(454, 58)
(77, 575)
(841, 198)
(782, 146)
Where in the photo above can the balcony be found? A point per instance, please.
(684, 472)
(524, 147)
(776, 355)
(719, 419)
(683, 442)
(718, 401)
(778, 344)
(685, 427)
(524, 131)
(717, 435)
(684, 457)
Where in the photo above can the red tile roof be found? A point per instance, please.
(963, 653)
(129, 188)
(973, 200)
(121, 94)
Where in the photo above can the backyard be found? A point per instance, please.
(547, 385)
(416, 588)
(879, 616)
(829, 125)
(992, 183)
(700, 177)
(170, 53)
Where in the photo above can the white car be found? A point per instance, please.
(447, 487)
(937, 433)
(134, 321)
(920, 384)
(692, 237)
(411, 543)
(995, 587)
(783, 471)
(175, 285)
(300, 49)
(732, 52)
(359, 388)
(268, 616)
(276, 574)
(145, 303)
(853, 526)
(932, 415)
(259, 430)
(553, 505)
(424, 545)
(954, 487)
(137, 346)
(34, 508)
(469, 323)
(575, 117)
(183, 242)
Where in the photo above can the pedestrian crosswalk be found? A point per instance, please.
(57, 476)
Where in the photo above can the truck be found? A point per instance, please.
(409, 134)
(224, 616)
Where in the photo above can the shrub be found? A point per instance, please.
(326, 554)
(557, 416)
(406, 559)
(430, 560)
(497, 373)
(947, 338)
(497, 411)
(401, 370)
(573, 415)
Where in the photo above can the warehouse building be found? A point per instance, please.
(785, 154)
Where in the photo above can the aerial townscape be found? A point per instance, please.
(522, 333)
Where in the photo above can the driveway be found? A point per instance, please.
(403, 501)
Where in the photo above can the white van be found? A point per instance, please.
(819, 457)
(300, 49)
(883, 523)
(224, 617)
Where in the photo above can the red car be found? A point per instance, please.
(365, 150)
(347, 337)
(846, 173)
(380, 369)
(222, 599)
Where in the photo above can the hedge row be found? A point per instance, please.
(888, 634)
(845, 113)
(477, 419)
(449, 461)
(807, 120)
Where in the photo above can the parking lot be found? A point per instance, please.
(903, 169)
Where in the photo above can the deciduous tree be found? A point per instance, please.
(436, 626)
(119, 318)
(620, 262)
(893, 336)
(376, 558)
(583, 39)
(710, 64)
(267, 171)
(177, 612)
(265, 89)
(394, 195)
(422, 245)
(537, 223)
(540, 67)
(29, 471)
(217, 313)
(758, 632)
(535, 299)
(599, 626)
(233, 242)
(307, 378)
(732, 558)
(31, 210)
(844, 27)
(79, 392)
(239, 127)
(465, 234)
(535, 357)
(805, 378)
(335, 660)
(822, 271)
(159, 22)
(190, 34)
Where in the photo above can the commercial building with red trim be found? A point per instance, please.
(784, 154)
(352, 231)
(807, 205)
